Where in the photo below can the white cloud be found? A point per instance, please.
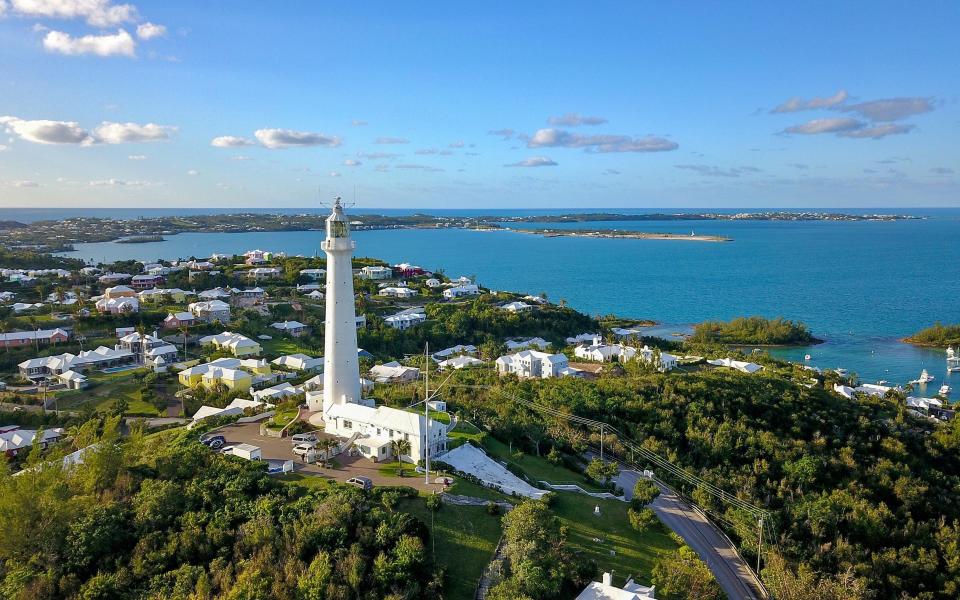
(391, 140)
(712, 171)
(358, 122)
(3, 148)
(286, 138)
(149, 31)
(534, 161)
(877, 131)
(456, 144)
(334, 174)
(99, 13)
(118, 44)
(817, 126)
(231, 141)
(377, 155)
(350, 162)
(120, 133)
(427, 168)
(193, 172)
(502, 133)
(891, 109)
(558, 138)
(113, 182)
(137, 157)
(797, 104)
(48, 132)
(24, 183)
(240, 157)
(434, 151)
(575, 120)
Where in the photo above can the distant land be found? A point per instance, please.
(59, 235)
(622, 234)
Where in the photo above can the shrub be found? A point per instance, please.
(642, 519)
(493, 508)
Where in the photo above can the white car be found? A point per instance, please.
(302, 438)
(303, 449)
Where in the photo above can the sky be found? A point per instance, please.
(494, 104)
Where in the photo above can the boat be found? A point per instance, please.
(924, 378)
(841, 372)
(807, 357)
(945, 390)
(953, 361)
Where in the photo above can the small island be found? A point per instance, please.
(754, 331)
(141, 239)
(623, 234)
(938, 336)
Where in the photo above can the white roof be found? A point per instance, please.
(745, 367)
(288, 325)
(297, 361)
(459, 362)
(384, 417)
(14, 439)
(41, 334)
(604, 591)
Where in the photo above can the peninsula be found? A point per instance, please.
(59, 235)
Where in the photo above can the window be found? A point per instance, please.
(347, 424)
(337, 229)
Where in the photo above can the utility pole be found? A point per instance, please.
(426, 413)
(601, 441)
(760, 546)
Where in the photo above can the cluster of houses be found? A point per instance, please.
(14, 440)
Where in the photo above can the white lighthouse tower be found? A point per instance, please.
(341, 368)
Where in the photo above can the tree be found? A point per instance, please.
(644, 492)
(641, 519)
(681, 575)
(535, 548)
(398, 448)
(601, 471)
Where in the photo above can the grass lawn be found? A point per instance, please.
(536, 467)
(284, 345)
(389, 469)
(464, 538)
(109, 387)
(284, 415)
(465, 431)
(307, 481)
(436, 415)
(634, 553)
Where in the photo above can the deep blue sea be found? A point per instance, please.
(861, 286)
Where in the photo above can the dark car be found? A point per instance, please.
(361, 482)
(214, 442)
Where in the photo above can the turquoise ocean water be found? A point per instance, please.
(859, 285)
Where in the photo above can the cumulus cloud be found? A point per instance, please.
(99, 13)
(231, 141)
(558, 138)
(350, 162)
(796, 104)
(391, 140)
(877, 131)
(149, 31)
(47, 132)
(334, 174)
(713, 171)
(288, 138)
(575, 120)
(502, 133)
(193, 172)
(817, 126)
(24, 183)
(891, 109)
(117, 44)
(121, 133)
(358, 122)
(533, 161)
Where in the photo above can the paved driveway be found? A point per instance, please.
(350, 466)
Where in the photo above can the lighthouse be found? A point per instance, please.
(341, 368)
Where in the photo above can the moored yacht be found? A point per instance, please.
(945, 390)
(953, 361)
(924, 378)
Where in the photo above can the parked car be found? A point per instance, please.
(361, 482)
(303, 449)
(300, 438)
(214, 442)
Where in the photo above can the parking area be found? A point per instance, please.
(348, 466)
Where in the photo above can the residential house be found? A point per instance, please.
(586, 338)
(144, 282)
(314, 274)
(667, 361)
(315, 295)
(605, 590)
(626, 333)
(261, 273)
(306, 288)
(408, 270)
(376, 272)
(256, 257)
(535, 364)
(215, 294)
(20, 307)
(433, 283)
(394, 372)
(175, 295)
(517, 307)
(210, 311)
(454, 351)
(398, 292)
(119, 291)
(6, 297)
(13, 339)
(233, 373)
(248, 297)
(405, 320)
(276, 393)
(237, 406)
(291, 328)
(118, 306)
(179, 319)
(739, 365)
(111, 278)
(605, 352)
(461, 290)
(148, 348)
(372, 429)
(235, 343)
(14, 440)
(298, 362)
(536, 342)
(459, 362)
(99, 358)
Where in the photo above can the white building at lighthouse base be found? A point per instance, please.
(372, 429)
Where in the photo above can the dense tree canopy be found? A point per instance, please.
(939, 336)
(753, 330)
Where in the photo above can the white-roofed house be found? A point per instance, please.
(433, 282)
(605, 352)
(586, 338)
(14, 440)
(397, 292)
(739, 365)
(372, 430)
(667, 361)
(40, 336)
(394, 372)
(118, 306)
(454, 351)
(179, 319)
(298, 362)
(605, 590)
(210, 311)
(535, 364)
(376, 272)
(314, 274)
(459, 362)
(469, 289)
(517, 307)
(291, 328)
(235, 343)
(261, 273)
(405, 320)
(535, 342)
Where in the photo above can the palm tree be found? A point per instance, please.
(398, 448)
(183, 330)
(327, 444)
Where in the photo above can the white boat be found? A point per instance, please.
(945, 390)
(841, 372)
(953, 361)
(924, 378)
(807, 357)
